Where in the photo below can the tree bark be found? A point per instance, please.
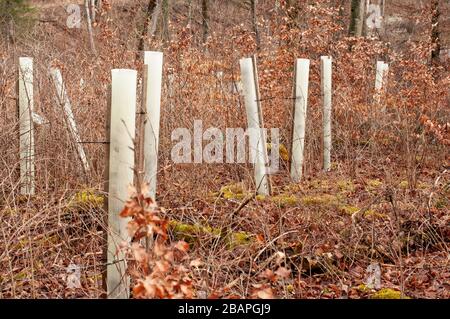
(254, 3)
(205, 20)
(357, 18)
(165, 28)
(150, 24)
(435, 35)
(89, 26)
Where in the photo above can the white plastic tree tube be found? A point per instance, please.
(26, 130)
(380, 79)
(154, 61)
(326, 73)
(121, 165)
(300, 110)
(63, 100)
(257, 141)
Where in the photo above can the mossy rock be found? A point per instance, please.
(387, 293)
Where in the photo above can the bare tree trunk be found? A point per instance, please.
(89, 26)
(254, 3)
(150, 23)
(155, 17)
(435, 35)
(357, 18)
(205, 20)
(166, 15)
(93, 10)
(189, 24)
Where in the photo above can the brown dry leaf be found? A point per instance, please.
(196, 263)
(266, 293)
(126, 212)
(162, 265)
(182, 246)
(187, 291)
(139, 290)
(279, 257)
(268, 274)
(132, 228)
(139, 252)
(282, 272)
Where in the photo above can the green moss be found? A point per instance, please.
(235, 239)
(345, 186)
(363, 288)
(374, 214)
(283, 151)
(260, 197)
(292, 188)
(325, 200)
(20, 276)
(188, 232)
(191, 233)
(403, 184)
(348, 209)
(234, 191)
(8, 211)
(442, 203)
(284, 200)
(87, 198)
(423, 185)
(387, 293)
(374, 183)
(319, 184)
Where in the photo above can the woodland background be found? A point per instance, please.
(384, 204)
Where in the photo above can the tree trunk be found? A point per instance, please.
(89, 26)
(166, 14)
(149, 28)
(205, 20)
(357, 18)
(435, 35)
(254, 3)
(189, 24)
